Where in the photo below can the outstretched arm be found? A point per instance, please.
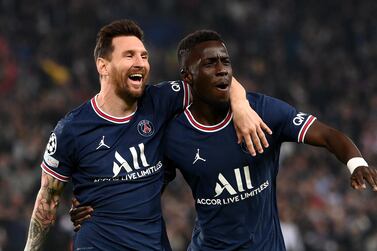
(249, 126)
(44, 213)
(344, 149)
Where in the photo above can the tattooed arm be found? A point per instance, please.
(44, 213)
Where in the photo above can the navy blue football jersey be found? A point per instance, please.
(234, 192)
(115, 164)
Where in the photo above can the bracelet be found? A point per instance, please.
(355, 162)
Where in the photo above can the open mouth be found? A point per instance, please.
(222, 86)
(136, 77)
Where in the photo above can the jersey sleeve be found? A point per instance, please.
(171, 96)
(58, 155)
(289, 124)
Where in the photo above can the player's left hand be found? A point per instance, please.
(250, 127)
(362, 174)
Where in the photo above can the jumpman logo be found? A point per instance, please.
(197, 157)
(102, 143)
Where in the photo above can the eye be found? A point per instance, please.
(208, 63)
(226, 61)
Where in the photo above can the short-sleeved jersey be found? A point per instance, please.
(115, 164)
(234, 192)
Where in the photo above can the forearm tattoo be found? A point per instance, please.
(44, 214)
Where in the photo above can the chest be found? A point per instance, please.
(110, 149)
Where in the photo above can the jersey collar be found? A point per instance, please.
(206, 128)
(108, 117)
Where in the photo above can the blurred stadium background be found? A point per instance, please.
(320, 56)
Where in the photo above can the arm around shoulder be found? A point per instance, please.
(248, 124)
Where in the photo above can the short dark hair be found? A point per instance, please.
(123, 27)
(191, 40)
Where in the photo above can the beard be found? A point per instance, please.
(123, 88)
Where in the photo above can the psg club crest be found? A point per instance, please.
(145, 128)
(52, 144)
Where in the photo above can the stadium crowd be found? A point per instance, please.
(320, 56)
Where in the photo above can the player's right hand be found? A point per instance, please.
(362, 174)
(79, 214)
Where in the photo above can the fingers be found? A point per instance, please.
(362, 174)
(265, 127)
(239, 137)
(80, 213)
(75, 202)
(371, 177)
(256, 142)
(81, 220)
(357, 182)
(76, 228)
(262, 138)
(374, 174)
(250, 145)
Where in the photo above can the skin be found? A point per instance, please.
(209, 74)
(320, 134)
(118, 96)
(44, 213)
(208, 65)
(119, 93)
(210, 61)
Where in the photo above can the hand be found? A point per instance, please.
(79, 214)
(250, 127)
(361, 174)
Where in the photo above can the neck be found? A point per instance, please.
(207, 114)
(114, 104)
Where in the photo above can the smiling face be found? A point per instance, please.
(128, 66)
(209, 72)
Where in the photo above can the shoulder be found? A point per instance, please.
(165, 87)
(264, 104)
(259, 99)
(177, 125)
(65, 126)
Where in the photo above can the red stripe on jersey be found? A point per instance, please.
(109, 117)
(53, 173)
(305, 128)
(205, 128)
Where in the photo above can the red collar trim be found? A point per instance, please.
(108, 117)
(206, 128)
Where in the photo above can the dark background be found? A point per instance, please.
(319, 56)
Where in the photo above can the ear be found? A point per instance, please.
(102, 66)
(186, 76)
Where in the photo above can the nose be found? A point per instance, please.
(139, 61)
(221, 69)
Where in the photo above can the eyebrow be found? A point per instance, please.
(143, 53)
(216, 57)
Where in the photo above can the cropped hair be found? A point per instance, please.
(123, 27)
(191, 40)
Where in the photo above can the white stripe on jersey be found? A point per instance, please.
(304, 129)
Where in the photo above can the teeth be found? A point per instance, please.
(136, 75)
